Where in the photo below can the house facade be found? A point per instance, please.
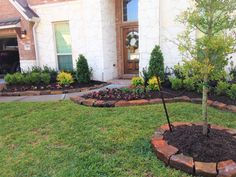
(116, 36)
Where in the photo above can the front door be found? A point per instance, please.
(131, 50)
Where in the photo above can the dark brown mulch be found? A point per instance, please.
(218, 146)
(52, 86)
(123, 94)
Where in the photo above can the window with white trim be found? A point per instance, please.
(63, 46)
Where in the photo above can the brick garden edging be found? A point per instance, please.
(170, 156)
(123, 103)
(50, 92)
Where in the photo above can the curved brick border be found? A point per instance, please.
(50, 92)
(170, 156)
(122, 103)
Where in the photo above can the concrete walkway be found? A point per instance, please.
(61, 97)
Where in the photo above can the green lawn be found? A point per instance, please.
(65, 139)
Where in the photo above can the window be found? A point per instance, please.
(63, 46)
(130, 10)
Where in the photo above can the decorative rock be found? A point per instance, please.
(163, 150)
(182, 99)
(122, 103)
(99, 103)
(110, 103)
(219, 105)
(154, 101)
(182, 162)
(30, 93)
(226, 169)
(205, 169)
(196, 100)
(56, 92)
(176, 124)
(88, 102)
(138, 102)
(209, 102)
(78, 100)
(45, 92)
(231, 108)
(165, 127)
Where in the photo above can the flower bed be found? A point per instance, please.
(50, 89)
(125, 97)
(188, 150)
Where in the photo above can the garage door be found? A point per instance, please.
(9, 55)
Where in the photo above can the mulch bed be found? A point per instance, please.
(122, 94)
(218, 146)
(186, 149)
(54, 88)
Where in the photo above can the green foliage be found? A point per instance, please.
(232, 92)
(179, 71)
(137, 81)
(222, 88)
(189, 84)
(145, 76)
(83, 74)
(153, 84)
(64, 78)
(14, 79)
(232, 71)
(45, 78)
(176, 83)
(156, 63)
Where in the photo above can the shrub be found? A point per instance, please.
(64, 78)
(10, 79)
(14, 79)
(34, 78)
(137, 81)
(145, 76)
(153, 84)
(232, 92)
(52, 72)
(176, 83)
(189, 84)
(222, 88)
(45, 78)
(179, 71)
(83, 73)
(156, 63)
(200, 87)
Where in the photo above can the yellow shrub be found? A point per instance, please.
(137, 81)
(153, 84)
(64, 78)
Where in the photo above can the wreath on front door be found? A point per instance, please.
(132, 41)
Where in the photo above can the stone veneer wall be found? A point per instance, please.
(92, 27)
(157, 26)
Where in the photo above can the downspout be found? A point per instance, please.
(36, 43)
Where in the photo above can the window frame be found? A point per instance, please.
(122, 8)
(55, 43)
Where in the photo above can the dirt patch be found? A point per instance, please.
(218, 146)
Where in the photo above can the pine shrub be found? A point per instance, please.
(83, 73)
(156, 63)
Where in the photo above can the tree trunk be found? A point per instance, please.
(204, 105)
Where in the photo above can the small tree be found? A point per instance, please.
(83, 73)
(214, 20)
(156, 63)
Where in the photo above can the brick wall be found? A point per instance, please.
(9, 11)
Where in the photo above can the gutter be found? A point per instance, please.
(36, 43)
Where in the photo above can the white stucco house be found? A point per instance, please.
(116, 36)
